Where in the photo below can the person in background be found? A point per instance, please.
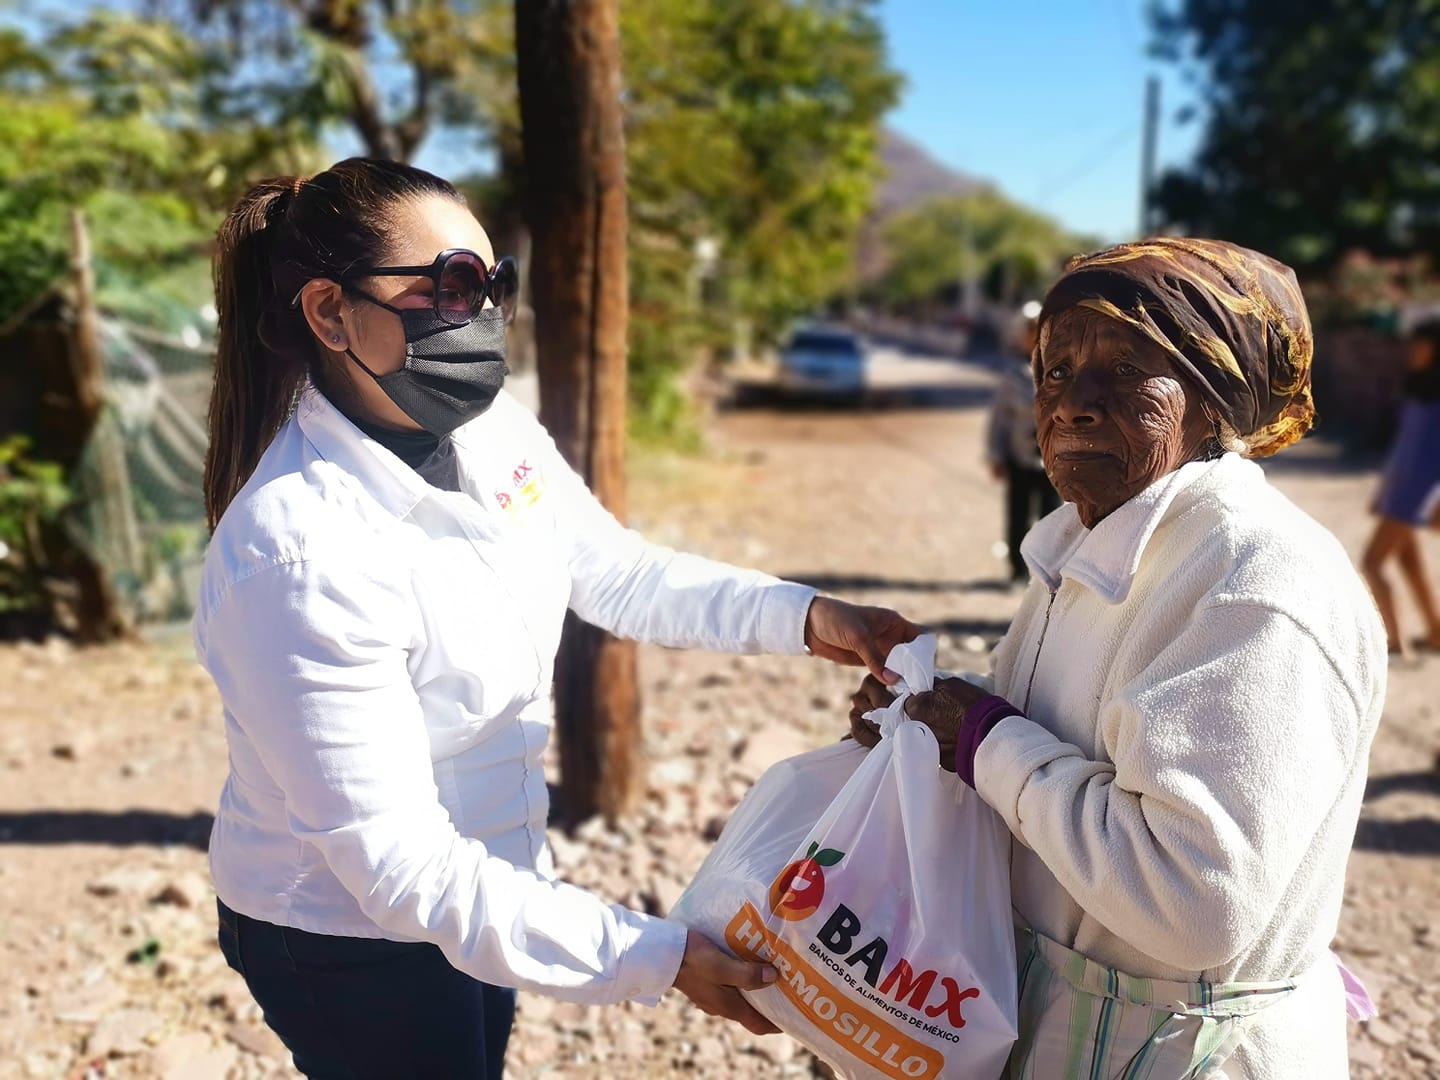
(396, 543)
(1409, 496)
(1011, 449)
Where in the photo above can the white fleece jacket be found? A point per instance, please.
(1201, 676)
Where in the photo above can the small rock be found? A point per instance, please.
(536, 1049)
(633, 1043)
(89, 1003)
(125, 1031)
(178, 1050)
(43, 1064)
(567, 852)
(1426, 1051)
(186, 891)
(1366, 1053)
(779, 1049)
(535, 1007)
(123, 880)
(172, 967)
(141, 678)
(1384, 1034)
(676, 772)
(211, 1065)
(587, 832)
(57, 651)
(226, 997)
(258, 1040)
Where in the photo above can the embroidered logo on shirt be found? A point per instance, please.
(526, 487)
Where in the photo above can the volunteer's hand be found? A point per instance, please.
(850, 634)
(942, 710)
(713, 979)
(873, 694)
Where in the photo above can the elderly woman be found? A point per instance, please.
(1181, 713)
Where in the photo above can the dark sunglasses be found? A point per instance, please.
(460, 281)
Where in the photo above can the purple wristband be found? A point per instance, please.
(980, 719)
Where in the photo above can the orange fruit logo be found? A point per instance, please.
(797, 892)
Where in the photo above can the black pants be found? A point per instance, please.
(1029, 496)
(357, 1008)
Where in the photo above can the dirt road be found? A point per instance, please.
(110, 763)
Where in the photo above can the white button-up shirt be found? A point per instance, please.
(384, 651)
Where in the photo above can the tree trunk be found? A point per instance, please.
(95, 609)
(569, 76)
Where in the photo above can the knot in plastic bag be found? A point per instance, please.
(914, 662)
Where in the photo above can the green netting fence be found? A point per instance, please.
(142, 509)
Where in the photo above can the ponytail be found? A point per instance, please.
(282, 233)
(258, 371)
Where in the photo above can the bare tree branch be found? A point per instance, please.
(411, 130)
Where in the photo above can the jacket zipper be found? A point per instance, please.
(1039, 647)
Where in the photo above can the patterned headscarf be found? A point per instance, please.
(1231, 318)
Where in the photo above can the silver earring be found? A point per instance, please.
(335, 338)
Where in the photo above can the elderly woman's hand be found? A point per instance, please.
(873, 694)
(942, 710)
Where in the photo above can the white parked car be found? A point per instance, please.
(823, 362)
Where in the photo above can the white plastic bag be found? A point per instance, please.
(879, 887)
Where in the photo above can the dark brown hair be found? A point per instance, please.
(282, 233)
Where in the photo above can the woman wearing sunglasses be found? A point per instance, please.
(396, 543)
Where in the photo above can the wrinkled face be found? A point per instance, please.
(1114, 413)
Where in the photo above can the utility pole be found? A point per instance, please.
(1147, 155)
(568, 55)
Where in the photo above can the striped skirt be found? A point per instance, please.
(1080, 1020)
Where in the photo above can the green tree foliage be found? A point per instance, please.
(113, 114)
(33, 495)
(752, 127)
(391, 71)
(1323, 125)
(1011, 250)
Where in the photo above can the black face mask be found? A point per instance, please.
(451, 373)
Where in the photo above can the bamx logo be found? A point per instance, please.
(838, 936)
(797, 891)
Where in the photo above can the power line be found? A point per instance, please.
(1088, 164)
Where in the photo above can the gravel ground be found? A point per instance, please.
(111, 761)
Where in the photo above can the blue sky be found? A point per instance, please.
(1044, 97)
